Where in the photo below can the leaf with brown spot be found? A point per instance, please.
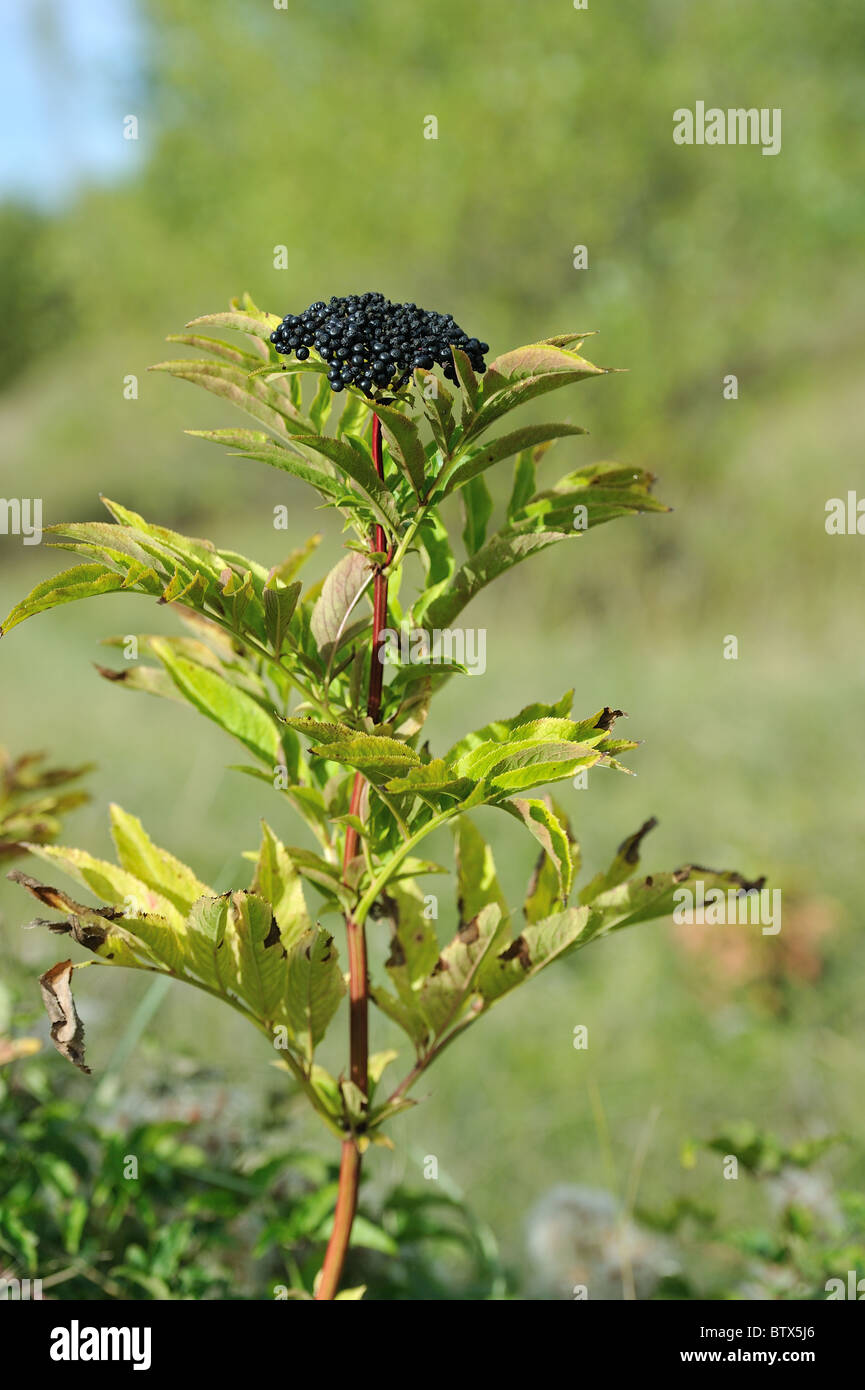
(406, 1014)
(61, 902)
(446, 992)
(518, 950)
(470, 933)
(477, 882)
(413, 953)
(549, 826)
(278, 881)
(273, 938)
(314, 988)
(67, 1030)
(622, 867)
(537, 946)
(607, 717)
(644, 899)
(96, 929)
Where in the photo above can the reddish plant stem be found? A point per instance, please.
(357, 973)
(349, 1169)
(379, 598)
(343, 1218)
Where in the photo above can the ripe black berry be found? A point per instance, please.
(373, 343)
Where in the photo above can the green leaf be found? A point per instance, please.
(117, 545)
(544, 894)
(519, 376)
(284, 573)
(537, 946)
(377, 756)
(414, 945)
(524, 483)
(500, 730)
(403, 1012)
(220, 348)
(432, 777)
(369, 1236)
(477, 510)
(314, 989)
(317, 730)
(378, 1064)
(235, 711)
(337, 601)
(145, 678)
(445, 993)
(259, 326)
(253, 394)
(280, 601)
(261, 956)
(551, 833)
(543, 763)
(623, 866)
(326, 1089)
(569, 340)
(438, 403)
(405, 445)
(238, 593)
(467, 380)
(251, 960)
(108, 882)
(437, 555)
(155, 867)
(354, 419)
(526, 438)
(641, 900)
(100, 930)
(237, 949)
(495, 558)
(477, 883)
(321, 405)
(252, 444)
(82, 581)
(538, 740)
(356, 465)
(278, 882)
(556, 508)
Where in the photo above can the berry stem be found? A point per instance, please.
(358, 990)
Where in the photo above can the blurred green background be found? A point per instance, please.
(303, 128)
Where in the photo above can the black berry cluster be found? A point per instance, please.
(374, 344)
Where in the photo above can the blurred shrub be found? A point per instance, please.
(810, 1233)
(31, 807)
(34, 302)
(216, 1207)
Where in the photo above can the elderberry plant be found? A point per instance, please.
(295, 675)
